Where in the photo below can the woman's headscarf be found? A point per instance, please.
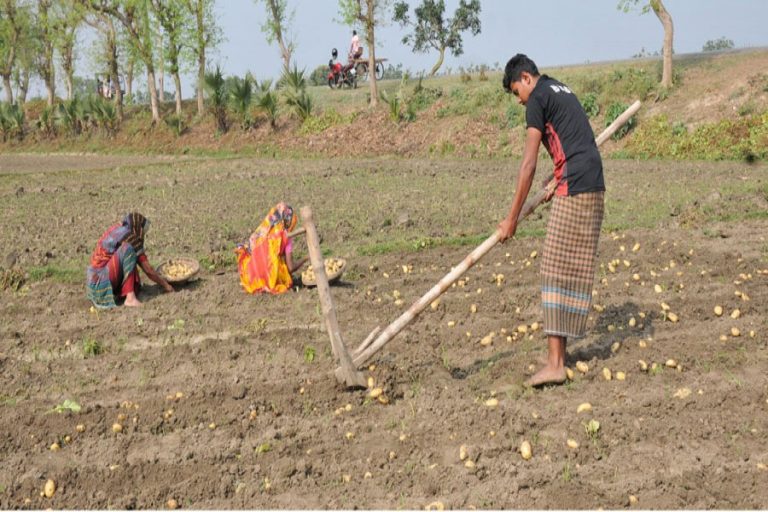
(280, 216)
(137, 226)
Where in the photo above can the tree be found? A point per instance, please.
(69, 16)
(12, 32)
(666, 21)
(432, 31)
(134, 16)
(276, 26)
(176, 22)
(206, 35)
(369, 13)
(718, 45)
(104, 24)
(44, 63)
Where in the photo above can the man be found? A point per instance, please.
(355, 50)
(555, 118)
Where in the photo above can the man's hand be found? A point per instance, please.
(507, 229)
(168, 288)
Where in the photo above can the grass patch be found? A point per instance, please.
(67, 275)
(92, 348)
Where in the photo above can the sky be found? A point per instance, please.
(551, 32)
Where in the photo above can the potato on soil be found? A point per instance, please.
(582, 366)
(117, 428)
(718, 310)
(585, 407)
(572, 444)
(49, 489)
(525, 450)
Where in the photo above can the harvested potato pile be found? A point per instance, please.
(332, 267)
(177, 269)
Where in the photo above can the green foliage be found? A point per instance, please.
(67, 406)
(46, 122)
(718, 45)
(176, 124)
(319, 75)
(393, 72)
(12, 121)
(70, 115)
(432, 30)
(614, 110)
(240, 98)
(320, 123)
(744, 138)
(592, 429)
(102, 114)
(293, 84)
(91, 348)
(309, 354)
(515, 115)
(399, 108)
(268, 103)
(217, 94)
(589, 102)
(423, 97)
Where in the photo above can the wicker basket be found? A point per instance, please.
(192, 268)
(309, 280)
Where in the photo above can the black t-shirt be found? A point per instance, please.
(554, 110)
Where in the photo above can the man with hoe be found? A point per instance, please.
(555, 118)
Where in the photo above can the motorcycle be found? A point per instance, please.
(341, 76)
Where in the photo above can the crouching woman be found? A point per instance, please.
(113, 273)
(265, 262)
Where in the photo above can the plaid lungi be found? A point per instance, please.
(568, 263)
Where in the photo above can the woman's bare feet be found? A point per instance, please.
(547, 375)
(132, 300)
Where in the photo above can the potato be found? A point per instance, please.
(572, 444)
(735, 314)
(671, 363)
(582, 366)
(469, 464)
(435, 505)
(636, 247)
(569, 373)
(633, 499)
(607, 374)
(657, 288)
(643, 365)
(55, 447)
(492, 402)
(488, 339)
(434, 304)
(615, 347)
(525, 450)
(463, 452)
(212, 426)
(117, 428)
(80, 428)
(665, 306)
(473, 308)
(585, 407)
(632, 322)
(621, 376)
(376, 392)
(171, 504)
(672, 317)
(718, 310)
(735, 332)
(49, 489)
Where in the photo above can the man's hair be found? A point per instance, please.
(515, 68)
(354, 32)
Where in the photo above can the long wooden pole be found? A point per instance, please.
(348, 373)
(399, 324)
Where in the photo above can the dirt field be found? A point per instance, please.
(228, 400)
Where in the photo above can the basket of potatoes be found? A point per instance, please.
(178, 270)
(334, 268)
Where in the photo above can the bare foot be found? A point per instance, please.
(131, 300)
(547, 375)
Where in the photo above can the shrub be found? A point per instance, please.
(176, 124)
(269, 104)
(319, 75)
(589, 102)
(240, 98)
(614, 110)
(214, 84)
(46, 122)
(718, 45)
(12, 121)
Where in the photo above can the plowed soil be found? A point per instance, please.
(229, 401)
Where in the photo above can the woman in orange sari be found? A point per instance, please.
(266, 262)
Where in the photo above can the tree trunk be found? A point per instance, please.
(439, 62)
(371, 40)
(129, 80)
(152, 87)
(161, 70)
(21, 95)
(666, 21)
(69, 73)
(285, 54)
(113, 72)
(177, 82)
(7, 88)
(200, 81)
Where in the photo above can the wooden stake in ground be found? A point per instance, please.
(347, 373)
(370, 346)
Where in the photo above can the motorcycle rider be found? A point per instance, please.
(355, 50)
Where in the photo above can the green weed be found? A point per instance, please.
(92, 348)
(309, 354)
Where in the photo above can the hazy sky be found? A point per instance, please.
(552, 32)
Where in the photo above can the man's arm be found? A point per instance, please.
(508, 226)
